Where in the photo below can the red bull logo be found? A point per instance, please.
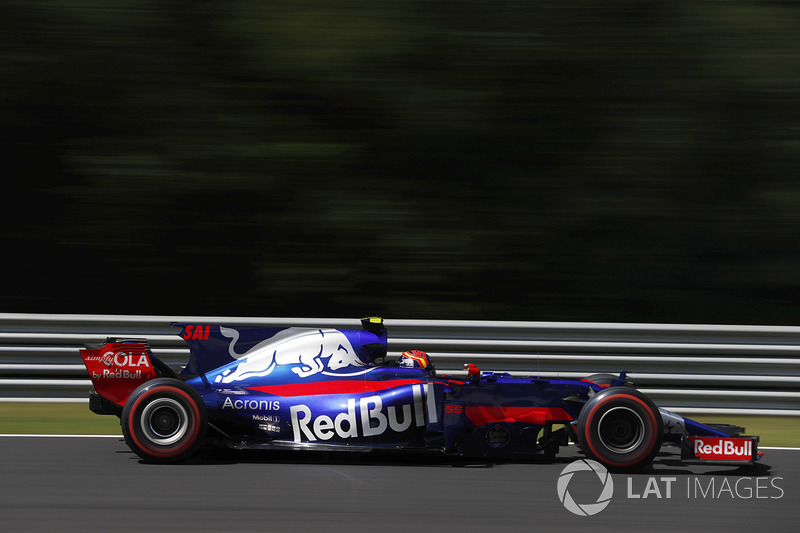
(722, 448)
(367, 418)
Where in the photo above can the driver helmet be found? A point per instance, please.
(416, 359)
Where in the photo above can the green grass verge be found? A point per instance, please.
(55, 418)
(73, 418)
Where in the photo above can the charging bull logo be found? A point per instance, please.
(293, 346)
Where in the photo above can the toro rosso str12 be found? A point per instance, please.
(334, 389)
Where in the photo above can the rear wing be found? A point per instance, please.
(118, 367)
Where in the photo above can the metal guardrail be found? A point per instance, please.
(684, 368)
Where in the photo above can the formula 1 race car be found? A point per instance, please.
(333, 389)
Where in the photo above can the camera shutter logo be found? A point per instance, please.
(586, 509)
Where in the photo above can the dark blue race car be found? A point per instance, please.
(334, 389)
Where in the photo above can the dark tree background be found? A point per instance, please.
(533, 160)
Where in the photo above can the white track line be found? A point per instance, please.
(61, 436)
(120, 436)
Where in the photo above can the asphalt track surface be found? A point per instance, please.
(97, 484)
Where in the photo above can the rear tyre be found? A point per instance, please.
(621, 428)
(164, 421)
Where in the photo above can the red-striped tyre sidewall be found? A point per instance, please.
(626, 397)
(159, 389)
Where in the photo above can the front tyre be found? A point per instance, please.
(621, 428)
(164, 421)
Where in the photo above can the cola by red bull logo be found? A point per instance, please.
(117, 369)
(127, 359)
(123, 365)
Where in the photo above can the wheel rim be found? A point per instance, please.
(164, 421)
(621, 430)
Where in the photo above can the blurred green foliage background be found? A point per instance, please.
(535, 160)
